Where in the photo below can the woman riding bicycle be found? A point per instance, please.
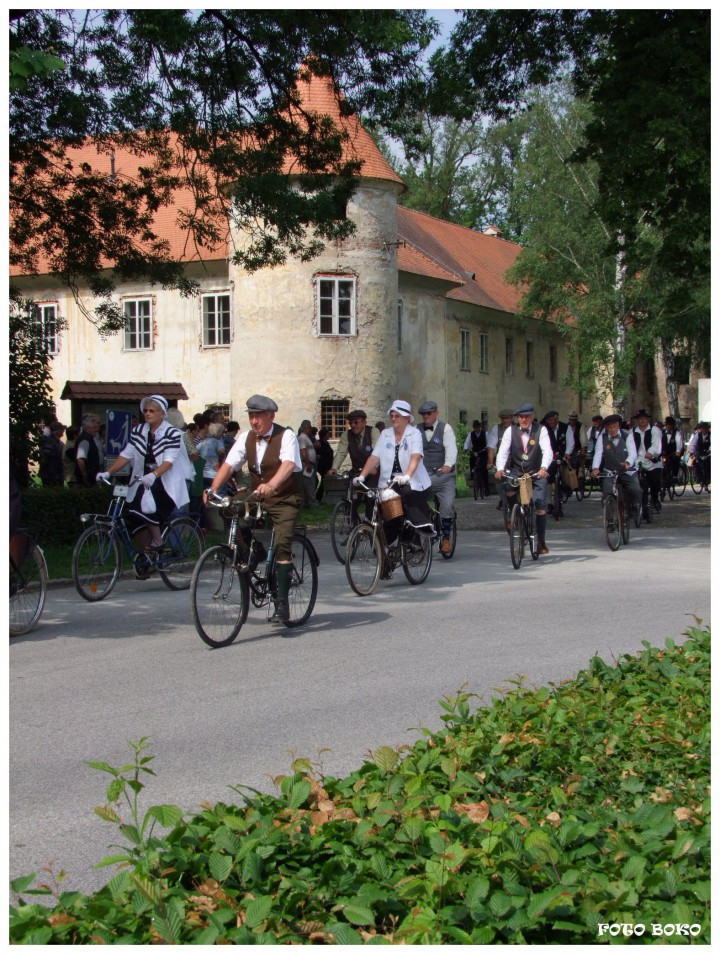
(161, 466)
(526, 449)
(399, 454)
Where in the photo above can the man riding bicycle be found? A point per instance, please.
(526, 449)
(439, 456)
(616, 452)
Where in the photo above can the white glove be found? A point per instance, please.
(105, 475)
(402, 479)
(148, 480)
(358, 481)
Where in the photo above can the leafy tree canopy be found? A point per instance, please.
(207, 101)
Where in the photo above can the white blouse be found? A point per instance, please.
(410, 443)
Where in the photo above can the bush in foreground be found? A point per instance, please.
(535, 820)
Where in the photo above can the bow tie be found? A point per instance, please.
(259, 440)
(429, 427)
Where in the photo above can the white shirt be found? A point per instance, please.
(655, 447)
(543, 440)
(410, 443)
(289, 450)
(603, 439)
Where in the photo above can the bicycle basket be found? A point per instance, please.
(390, 504)
(525, 487)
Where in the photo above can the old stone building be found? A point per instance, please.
(408, 307)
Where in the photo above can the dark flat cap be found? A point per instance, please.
(525, 409)
(427, 407)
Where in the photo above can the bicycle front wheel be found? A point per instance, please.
(611, 523)
(28, 587)
(696, 479)
(623, 521)
(517, 532)
(476, 483)
(681, 480)
(416, 555)
(183, 548)
(96, 563)
(340, 528)
(219, 597)
(363, 560)
(303, 582)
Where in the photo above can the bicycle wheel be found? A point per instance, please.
(28, 587)
(531, 533)
(476, 483)
(453, 539)
(611, 523)
(696, 479)
(624, 522)
(96, 563)
(183, 548)
(517, 536)
(341, 524)
(303, 582)
(416, 556)
(363, 560)
(219, 597)
(681, 479)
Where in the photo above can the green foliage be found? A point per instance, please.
(530, 821)
(53, 513)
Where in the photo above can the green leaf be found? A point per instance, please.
(257, 912)
(299, 792)
(167, 815)
(119, 885)
(20, 884)
(385, 758)
(344, 934)
(358, 913)
(220, 866)
(103, 767)
(107, 814)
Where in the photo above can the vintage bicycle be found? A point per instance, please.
(368, 555)
(616, 523)
(228, 577)
(28, 583)
(523, 530)
(344, 518)
(699, 473)
(98, 555)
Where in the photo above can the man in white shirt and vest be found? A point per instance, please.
(440, 456)
(616, 452)
(648, 444)
(273, 458)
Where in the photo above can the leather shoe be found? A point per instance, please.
(499, 506)
(543, 550)
(282, 612)
(445, 545)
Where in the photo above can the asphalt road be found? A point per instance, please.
(364, 672)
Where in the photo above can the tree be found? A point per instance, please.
(208, 102)
(646, 77)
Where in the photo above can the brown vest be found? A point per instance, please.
(270, 463)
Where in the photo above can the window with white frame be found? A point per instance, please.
(484, 352)
(464, 350)
(138, 324)
(336, 306)
(45, 322)
(216, 320)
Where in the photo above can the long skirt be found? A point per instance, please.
(136, 519)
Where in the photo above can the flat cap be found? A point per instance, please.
(612, 419)
(427, 407)
(357, 415)
(506, 412)
(260, 403)
(525, 409)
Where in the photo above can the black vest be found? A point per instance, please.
(92, 461)
(359, 448)
(533, 453)
(614, 457)
(478, 441)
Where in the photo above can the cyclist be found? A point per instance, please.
(673, 446)
(562, 440)
(399, 454)
(439, 457)
(477, 443)
(357, 443)
(648, 444)
(272, 455)
(159, 460)
(493, 442)
(699, 452)
(616, 451)
(526, 449)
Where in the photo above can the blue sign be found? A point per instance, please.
(117, 432)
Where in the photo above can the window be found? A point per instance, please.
(463, 417)
(138, 324)
(509, 356)
(224, 409)
(484, 418)
(529, 360)
(45, 324)
(464, 350)
(336, 306)
(333, 415)
(400, 325)
(553, 363)
(484, 352)
(216, 321)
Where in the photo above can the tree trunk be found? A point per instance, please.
(671, 385)
(620, 379)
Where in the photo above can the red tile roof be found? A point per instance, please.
(479, 261)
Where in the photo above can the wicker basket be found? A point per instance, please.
(391, 504)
